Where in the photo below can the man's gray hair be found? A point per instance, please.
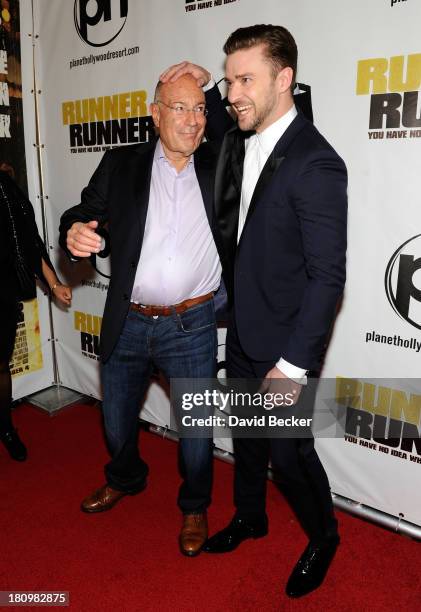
(157, 91)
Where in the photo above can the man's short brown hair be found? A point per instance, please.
(280, 47)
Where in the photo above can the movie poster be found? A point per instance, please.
(27, 354)
(12, 145)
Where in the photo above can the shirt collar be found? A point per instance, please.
(270, 136)
(162, 158)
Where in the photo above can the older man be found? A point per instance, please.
(157, 200)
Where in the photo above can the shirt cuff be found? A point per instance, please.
(298, 375)
(209, 85)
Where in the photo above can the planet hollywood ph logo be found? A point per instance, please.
(102, 264)
(403, 281)
(110, 15)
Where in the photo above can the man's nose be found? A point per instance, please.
(191, 116)
(234, 92)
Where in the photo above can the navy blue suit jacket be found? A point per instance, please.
(287, 273)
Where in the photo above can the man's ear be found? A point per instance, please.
(154, 111)
(284, 79)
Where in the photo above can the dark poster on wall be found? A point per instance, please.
(12, 144)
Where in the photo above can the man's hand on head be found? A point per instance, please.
(174, 72)
(82, 240)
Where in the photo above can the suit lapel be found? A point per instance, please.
(274, 161)
(271, 166)
(237, 156)
(142, 174)
(204, 166)
(229, 175)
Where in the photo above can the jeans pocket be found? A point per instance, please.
(197, 319)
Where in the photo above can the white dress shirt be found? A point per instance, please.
(257, 150)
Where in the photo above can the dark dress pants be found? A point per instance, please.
(303, 478)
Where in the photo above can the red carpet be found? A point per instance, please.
(127, 559)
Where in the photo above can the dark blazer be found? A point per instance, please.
(287, 273)
(118, 194)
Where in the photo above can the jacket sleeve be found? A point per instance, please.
(219, 120)
(320, 200)
(94, 202)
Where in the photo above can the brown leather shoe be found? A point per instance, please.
(102, 499)
(194, 533)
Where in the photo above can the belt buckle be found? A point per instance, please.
(152, 309)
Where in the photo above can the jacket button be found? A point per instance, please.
(133, 264)
(125, 296)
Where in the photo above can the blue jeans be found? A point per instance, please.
(181, 346)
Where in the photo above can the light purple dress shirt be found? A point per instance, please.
(179, 259)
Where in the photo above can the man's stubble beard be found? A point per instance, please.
(262, 115)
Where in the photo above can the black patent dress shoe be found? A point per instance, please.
(237, 531)
(311, 568)
(14, 445)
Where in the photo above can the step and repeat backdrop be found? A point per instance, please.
(97, 63)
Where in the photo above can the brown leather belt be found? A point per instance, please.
(165, 311)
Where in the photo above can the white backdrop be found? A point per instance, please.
(372, 341)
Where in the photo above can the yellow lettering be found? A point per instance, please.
(68, 112)
(402, 409)
(413, 73)
(90, 324)
(372, 71)
(82, 111)
(105, 108)
(93, 324)
(96, 109)
(138, 103)
(124, 105)
(80, 321)
(348, 392)
(383, 399)
(110, 107)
